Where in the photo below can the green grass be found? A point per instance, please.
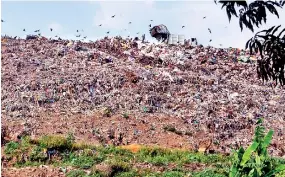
(119, 161)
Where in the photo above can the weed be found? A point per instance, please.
(38, 154)
(70, 139)
(254, 161)
(76, 173)
(169, 128)
(173, 174)
(11, 147)
(118, 166)
(125, 115)
(54, 142)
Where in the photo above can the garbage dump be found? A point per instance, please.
(203, 88)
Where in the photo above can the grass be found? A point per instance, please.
(119, 162)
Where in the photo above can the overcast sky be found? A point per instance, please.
(66, 17)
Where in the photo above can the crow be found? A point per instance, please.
(50, 29)
(113, 16)
(100, 25)
(150, 25)
(204, 17)
(130, 22)
(24, 29)
(209, 30)
(183, 26)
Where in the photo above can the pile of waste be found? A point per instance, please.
(201, 85)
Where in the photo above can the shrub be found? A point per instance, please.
(55, 142)
(76, 173)
(254, 161)
(11, 147)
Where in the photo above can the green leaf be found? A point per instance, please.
(233, 171)
(276, 170)
(247, 154)
(267, 139)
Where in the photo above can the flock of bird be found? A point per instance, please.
(78, 35)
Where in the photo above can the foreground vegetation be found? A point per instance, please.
(99, 161)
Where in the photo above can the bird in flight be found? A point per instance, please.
(130, 22)
(85, 37)
(210, 40)
(209, 30)
(56, 36)
(108, 32)
(37, 31)
(220, 44)
(2, 20)
(137, 32)
(150, 25)
(50, 29)
(78, 35)
(151, 20)
(113, 16)
(100, 25)
(183, 26)
(24, 29)
(204, 17)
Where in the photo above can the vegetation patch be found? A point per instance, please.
(136, 160)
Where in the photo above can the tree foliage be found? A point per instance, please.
(268, 43)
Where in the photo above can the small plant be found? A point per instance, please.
(70, 139)
(254, 161)
(169, 128)
(107, 112)
(125, 115)
(38, 154)
(76, 173)
(11, 147)
(54, 142)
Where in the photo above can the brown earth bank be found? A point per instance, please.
(146, 129)
(41, 171)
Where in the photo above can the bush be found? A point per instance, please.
(55, 142)
(11, 147)
(76, 173)
(254, 161)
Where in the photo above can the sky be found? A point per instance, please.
(65, 17)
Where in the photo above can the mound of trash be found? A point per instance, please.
(216, 87)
